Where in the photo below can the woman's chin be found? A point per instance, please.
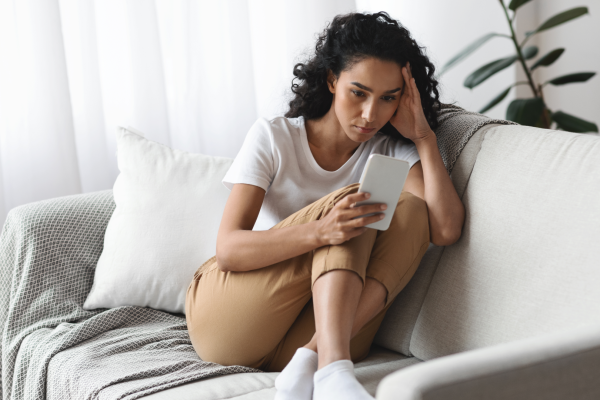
(361, 137)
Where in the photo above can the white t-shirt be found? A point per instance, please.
(276, 157)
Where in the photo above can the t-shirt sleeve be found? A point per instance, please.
(254, 163)
(404, 151)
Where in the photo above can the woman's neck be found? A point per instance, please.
(327, 135)
(329, 144)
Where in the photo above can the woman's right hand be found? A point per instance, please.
(338, 226)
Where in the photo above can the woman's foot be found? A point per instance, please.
(295, 382)
(337, 381)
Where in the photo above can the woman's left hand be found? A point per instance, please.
(409, 118)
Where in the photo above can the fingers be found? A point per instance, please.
(361, 222)
(351, 199)
(349, 211)
(408, 84)
(412, 84)
(363, 215)
(366, 209)
(347, 220)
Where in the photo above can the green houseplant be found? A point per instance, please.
(532, 111)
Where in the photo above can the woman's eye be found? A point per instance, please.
(389, 98)
(357, 93)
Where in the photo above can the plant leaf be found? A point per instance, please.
(571, 123)
(488, 70)
(548, 59)
(514, 4)
(495, 100)
(571, 78)
(525, 111)
(529, 52)
(561, 18)
(466, 51)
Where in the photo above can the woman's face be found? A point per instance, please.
(366, 96)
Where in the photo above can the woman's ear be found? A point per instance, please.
(331, 81)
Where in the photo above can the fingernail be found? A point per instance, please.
(381, 217)
(383, 206)
(367, 195)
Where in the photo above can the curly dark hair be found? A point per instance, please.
(351, 38)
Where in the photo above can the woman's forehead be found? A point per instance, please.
(374, 73)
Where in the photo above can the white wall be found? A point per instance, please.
(581, 39)
(290, 29)
(445, 28)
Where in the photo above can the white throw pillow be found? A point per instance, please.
(169, 204)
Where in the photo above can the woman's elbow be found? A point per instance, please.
(222, 267)
(222, 260)
(446, 238)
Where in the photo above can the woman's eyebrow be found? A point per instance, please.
(363, 87)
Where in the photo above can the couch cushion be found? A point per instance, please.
(220, 387)
(169, 205)
(369, 372)
(396, 329)
(527, 262)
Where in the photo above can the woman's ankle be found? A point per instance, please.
(327, 357)
(312, 345)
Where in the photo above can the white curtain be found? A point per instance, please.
(192, 74)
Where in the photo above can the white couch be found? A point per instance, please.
(510, 311)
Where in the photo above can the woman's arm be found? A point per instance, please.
(239, 248)
(428, 178)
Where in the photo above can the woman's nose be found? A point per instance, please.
(369, 111)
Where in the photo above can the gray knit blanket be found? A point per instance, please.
(53, 349)
(456, 128)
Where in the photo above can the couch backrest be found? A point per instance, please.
(397, 327)
(528, 260)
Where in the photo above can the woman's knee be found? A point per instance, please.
(412, 213)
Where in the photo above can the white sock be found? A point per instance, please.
(295, 382)
(337, 381)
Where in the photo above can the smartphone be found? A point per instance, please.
(383, 177)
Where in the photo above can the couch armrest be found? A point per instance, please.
(561, 365)
(48, 255)
(63, 234)
(61, 239)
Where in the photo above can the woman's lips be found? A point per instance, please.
(363, 130)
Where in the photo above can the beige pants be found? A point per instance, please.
(259, 318)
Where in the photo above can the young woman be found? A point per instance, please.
(298, 284)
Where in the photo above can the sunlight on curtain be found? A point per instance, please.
(193, 75)
(37, 148)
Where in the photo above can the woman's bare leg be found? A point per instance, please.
(342, 307)
(336, 297)
(335, 300)
(371, 302)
